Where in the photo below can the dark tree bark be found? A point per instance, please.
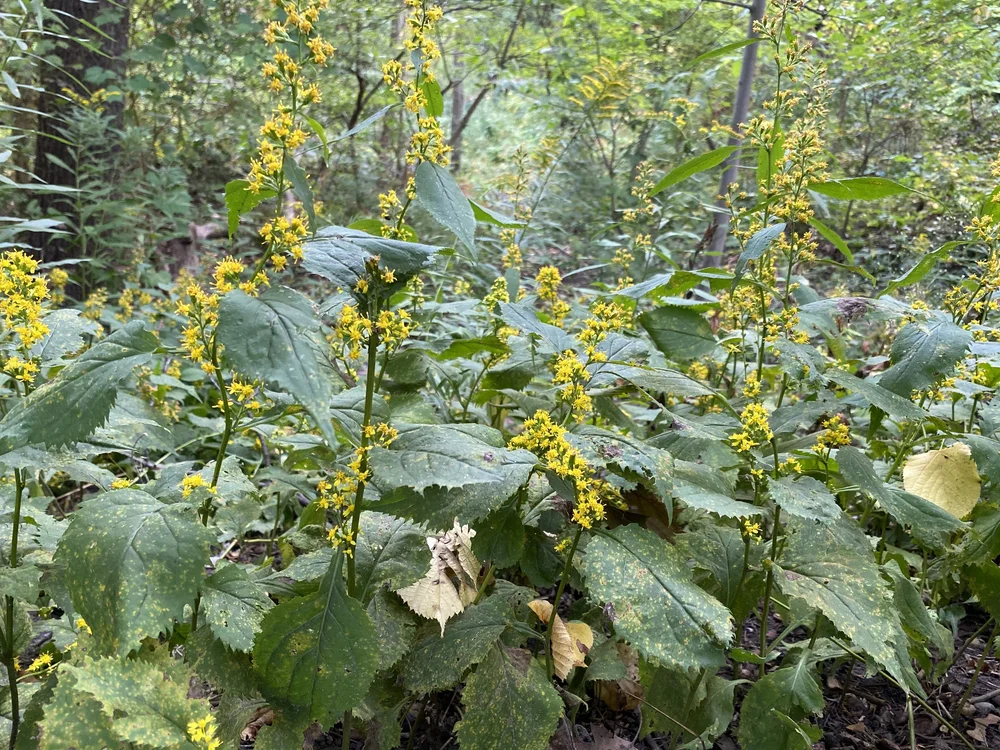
(84, 51)
(741, 107)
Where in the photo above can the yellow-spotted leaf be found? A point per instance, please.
(571, 641)
(947, 477)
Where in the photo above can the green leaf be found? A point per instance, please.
(923, 352)
(213, 661)
(985, 583)
(68, 408)
(830, 568)
(703, 704)
(922, 267)
(859, 188)
(833, 238)
(444, 200)
(468, 348)
(805, 497)
(680, 333)
(396, 626)
(930, 525)
(390, 551)
(131, 565)
(318, 653)
(756, 246)
(719, 551)
(489, 216)
(20, 582)
(432, 93)
(790, 692)
(339, 254)
(365, 124)
(74, 719)
(147, 702)
(320, 131)
(658, 607)
(629, 457)
(509, 703)
(500, 537)
(721, 51)
(693, 166)
(234, 606)
(658, 380)
(707, 488)
(892, 404)
(300, 186)
(522, 317)
(65, 336)
(275, 338)
(918, 622)
(439, 661)
(436, 473)
(241, 200)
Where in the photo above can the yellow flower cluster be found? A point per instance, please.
(605, 317)
(193, 482)
(203, 731)
(497, 294)
(94, 102)
(756, 429)
(127, 301)
(58, 279)
(202, 313)
(284, 239)
(350, 332)
(642, 187)
(836, 434)
(604, 90)
(407, 79)
(547, 440)
(21, 297)
(42, 661)
(548, 281)
(394, 327)
(572, 374)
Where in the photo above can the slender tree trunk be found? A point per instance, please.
(741, 107)
(76, 59)
(457, 112)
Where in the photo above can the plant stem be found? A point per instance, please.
(550, 666)
(345, 742)
(769, 585)
(979, 669)
(8, 644)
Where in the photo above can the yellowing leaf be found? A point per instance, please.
(947, 477)
(571, 641)
(450, 584)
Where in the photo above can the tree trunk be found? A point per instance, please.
(741, 106)
(105, 53)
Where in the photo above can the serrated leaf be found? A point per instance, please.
(435, 473)
(147, 703)
(985, 583)
(707, 488)
(947, 477)
(438, 661)
(923, 352)
(234, 606)
(680, 333)
(131, 565)
(74, 719)
(805, 497)
(509, 703)
(500, 537)
(66, 332)
(339, 254)
(628, 456)
(396, 627)
(891, 403)
(318, 653)
(719, 550)
(444, 200)
(658, 607)
(213, 661)
(790, 691)
(273, 338)
(701, 703)
(68, 408)
(390, 551)
(571, 641)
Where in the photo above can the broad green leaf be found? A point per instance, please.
(805, 497)
(234, 606)
(721, 51)
(701, 703)
(922, 267)
(522, 317)
(74, 719)
(318, 653)
(444, 200)
(680, 333)
(66, 334)
(859, 188)
(274, 338)
(509, 703)
(147, 702)
(131, 565)
(719, 551)
(468, 348)
(918, 622)
(20, 582)
(489, 216)
(930, 525)
(707, 488)
(213, 661)
(500, 537)
(68, 408)
(756, 247)
(240, 200)
(435, 473)
(674, 283)
(790, 692)
(830, 568)
(432, 94)
(693, 166)
(657, 380)
(658, 608)
(339, 254)
(300, 186)
(833, 238)
(947, 477)
(923, 352)
(395, 625)
(438, 661)
(985, 583)
(627, 456)
(894, 405)
(390, 551)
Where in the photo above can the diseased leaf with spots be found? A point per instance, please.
(703, 703)
(131, 565)
(805, 497)
(790, 693)
(390, 551)
(74, 719)
(317, 654)
(946, 477)
(707, 488)
(234, 606)
(923, 352)
(658, 607)
(509, 703)
(632, 458)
